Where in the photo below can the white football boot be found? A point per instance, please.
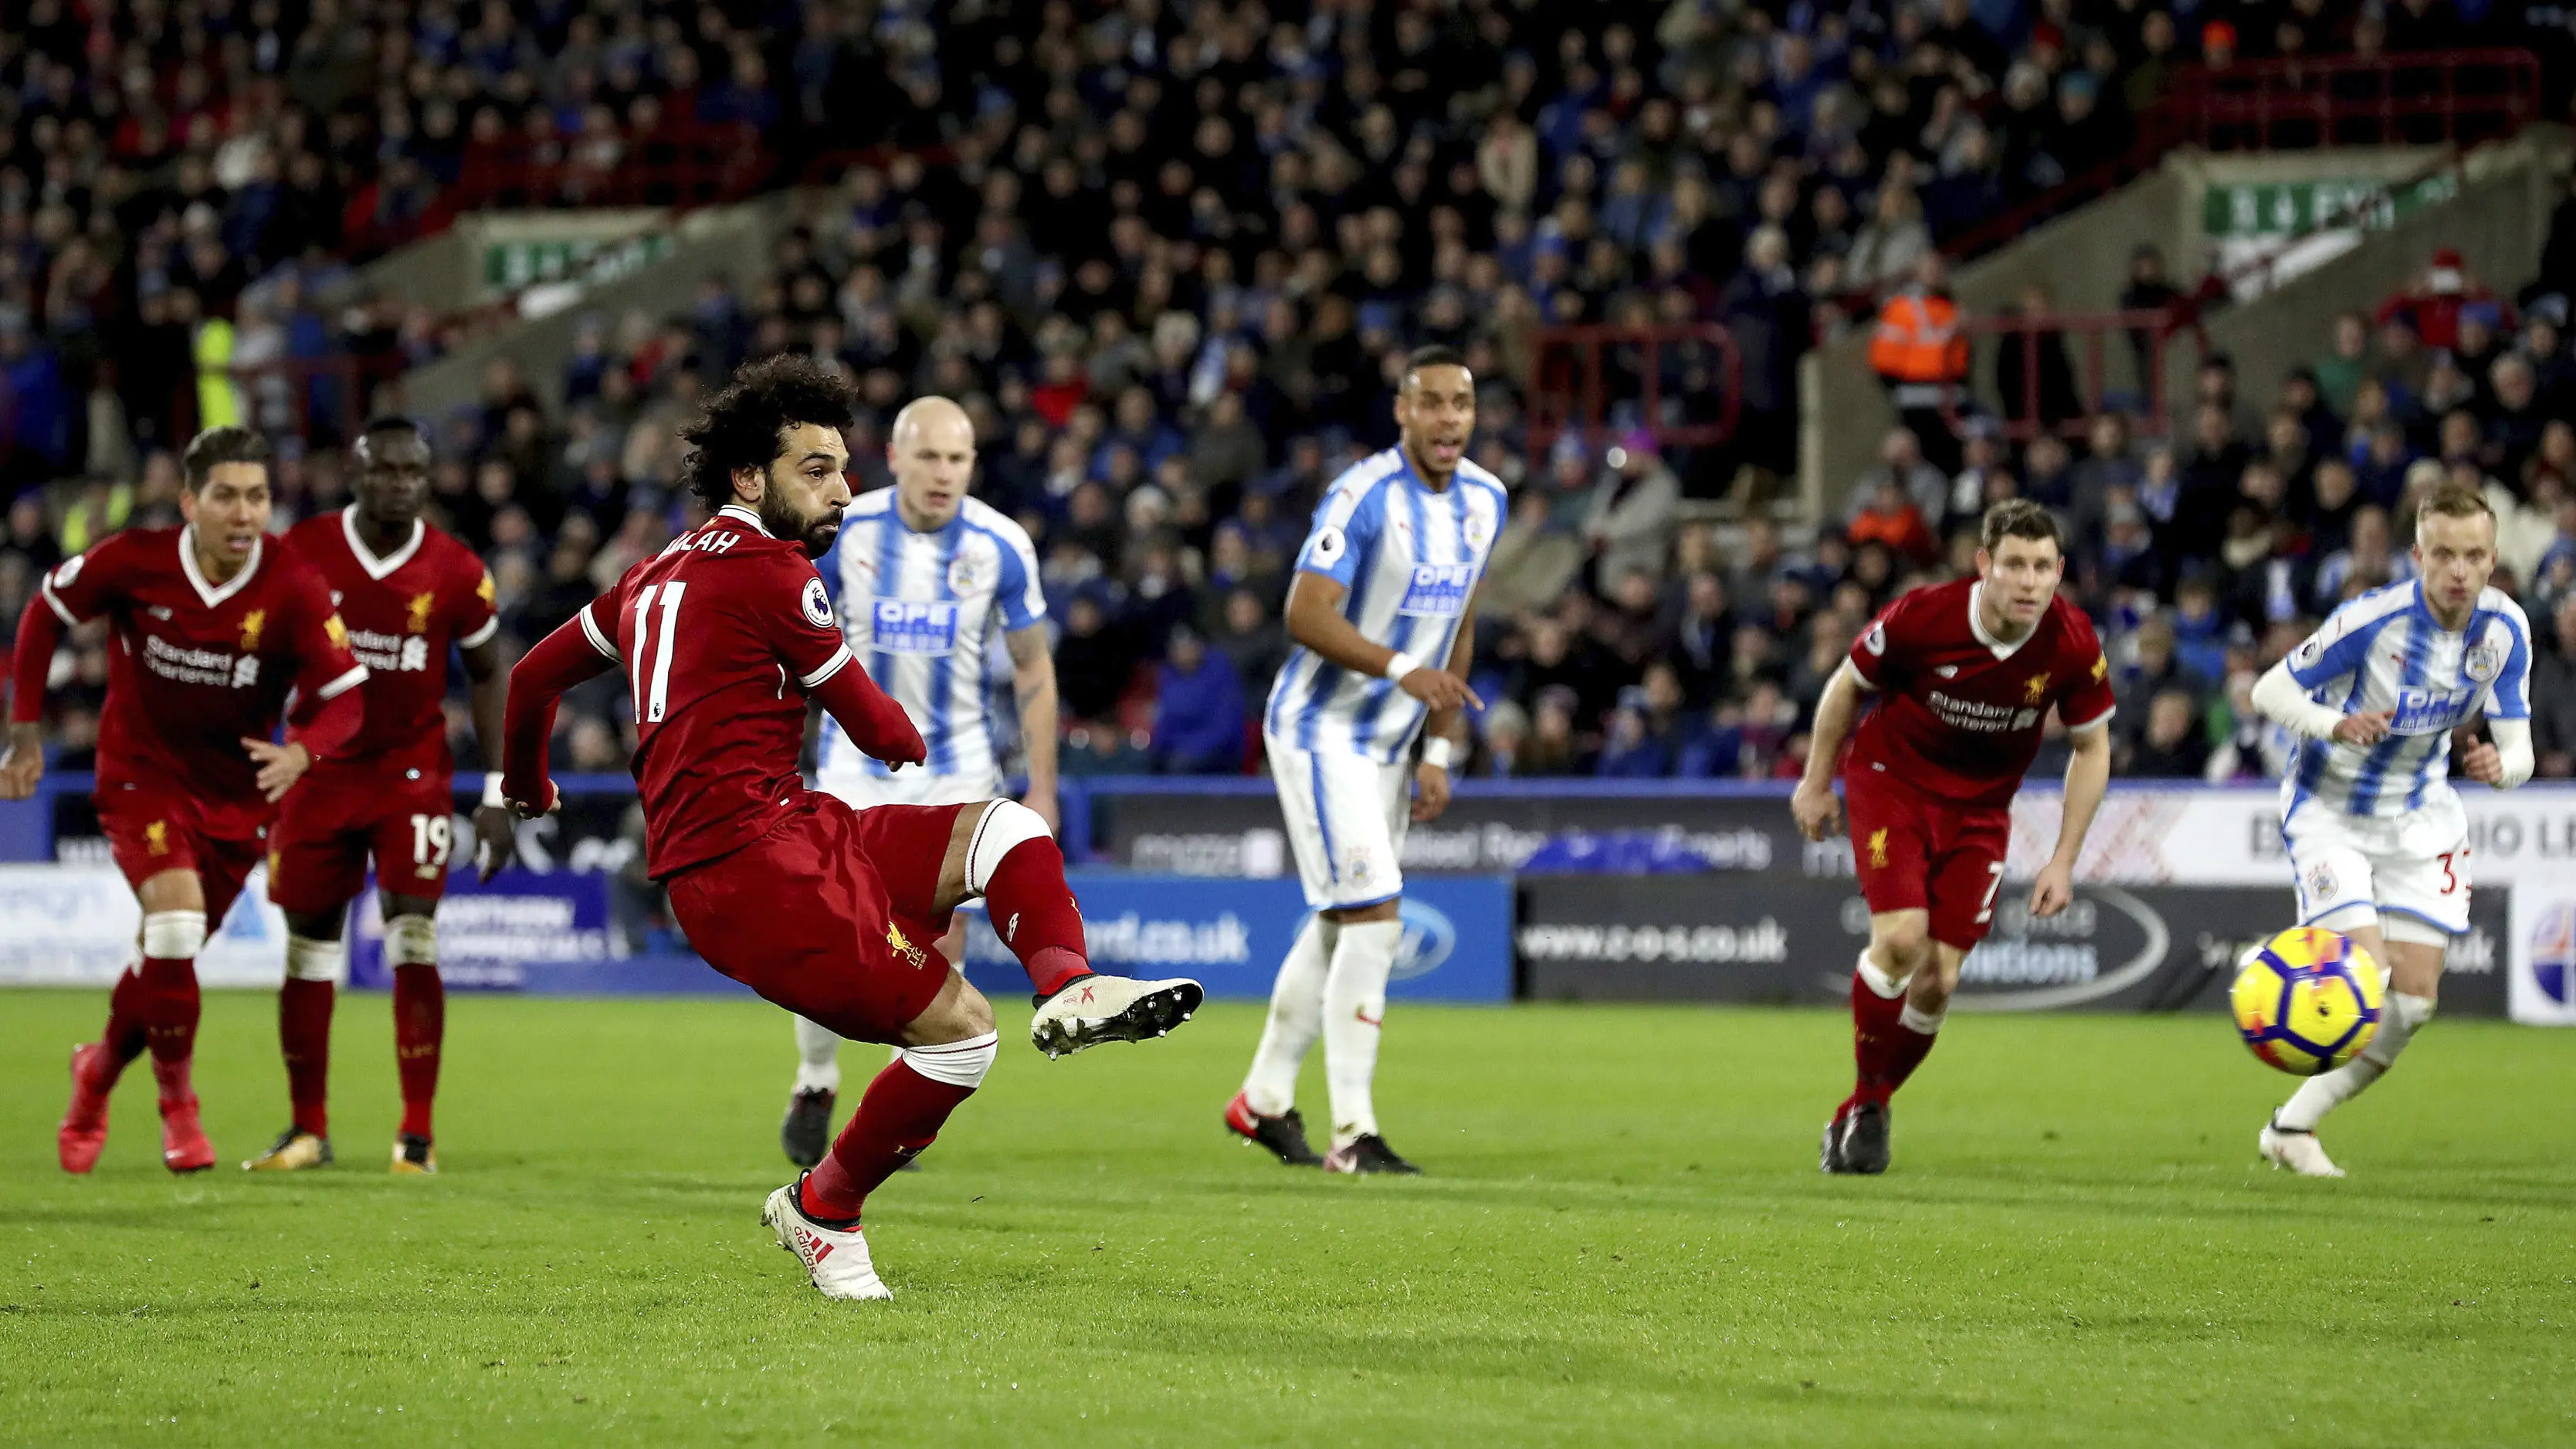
(2295, 1150)
(835, 1259)
(1093, 1009)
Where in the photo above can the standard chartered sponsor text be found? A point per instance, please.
(1764, 940)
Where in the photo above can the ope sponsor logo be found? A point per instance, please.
(911, 626)
(1438, 591)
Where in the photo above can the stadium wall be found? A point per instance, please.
(1557, 889)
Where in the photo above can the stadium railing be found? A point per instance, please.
(1579, 374)
(677, 166)
(2148, 333)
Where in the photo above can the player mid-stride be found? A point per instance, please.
(213, 626)
(2378, 841)
(1387, 580)
(1966, 674)
(407, 592)
(933, 584)
(822, 909)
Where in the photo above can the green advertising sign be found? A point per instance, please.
(511, 266)
(2287, 208)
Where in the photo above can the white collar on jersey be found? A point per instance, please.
(207, 593)
(741, 514)
(376, 567)
(1977, 626)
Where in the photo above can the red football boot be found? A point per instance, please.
(184, 1147)
(83, 1134)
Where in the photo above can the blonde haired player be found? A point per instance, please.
(927, 580)
(2378, 841)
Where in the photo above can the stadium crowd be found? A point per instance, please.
(1166, 253)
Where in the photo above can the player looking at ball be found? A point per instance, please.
(2378, 840)
(1967, 673)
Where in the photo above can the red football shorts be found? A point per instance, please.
(333, 820)
(1916, 852)
(149, 831)
(832, 914)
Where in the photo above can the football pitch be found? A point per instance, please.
(1622, 1239)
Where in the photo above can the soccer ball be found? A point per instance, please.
(2307, 1001)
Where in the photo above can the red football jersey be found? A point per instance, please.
(1960, 711)
(719, 636)
(403, 611)
(198, 667)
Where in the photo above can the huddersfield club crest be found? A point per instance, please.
(2483, 662)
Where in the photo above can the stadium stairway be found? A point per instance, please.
(2497, 217)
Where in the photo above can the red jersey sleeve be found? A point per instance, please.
(87, 585)
(1879, 655)
(598, 621)
(329, 708)
(472, 615)
(2086, 700)
(792, 612)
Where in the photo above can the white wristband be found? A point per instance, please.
(1401, 665)
(1438, 751)
(492, 792)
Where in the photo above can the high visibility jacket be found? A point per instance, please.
(218, 400)
(1918, 340)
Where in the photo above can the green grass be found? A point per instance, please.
(1622, 1239)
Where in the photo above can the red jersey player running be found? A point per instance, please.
(1966, 673)
(214, 624)
(822, 909)
(407, 592)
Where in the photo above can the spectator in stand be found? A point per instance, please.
(1901, 465)
(1629, 526)
(1890, 518)
(2173, 746)
(2154, 669)
(2034, 377)
(2553, 695)
(2340, 372)
(1199, 721)
(2431, 305)
(1921, 357)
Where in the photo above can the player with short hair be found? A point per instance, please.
(214, 626)
(1387, 580)
(1967, 674)
(408, 593)
(929, 581)
(2378, 839)
(816, 906)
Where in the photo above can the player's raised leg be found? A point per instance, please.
(2412, 952)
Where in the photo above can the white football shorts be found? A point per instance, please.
(1346, 816)
(2351, 869)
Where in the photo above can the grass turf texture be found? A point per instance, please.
(1623, 1239)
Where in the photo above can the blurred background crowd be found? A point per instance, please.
(1167, 253)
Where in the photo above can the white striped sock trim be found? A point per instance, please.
(957, 1063)
(1928, 1023)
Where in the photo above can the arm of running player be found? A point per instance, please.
(329, 707)
(487, 691)
(867, 714)
(1444, 731)
(1315, 620)
(40, 632)
(1813, 804)
(575, 651)
(2507, 762)
(2279, 697)
(2088, 775)
(1033, 685)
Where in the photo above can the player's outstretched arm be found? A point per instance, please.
(40, 632)
(1444, 731)
(869, 716)
(496, 843)
(2279, 697)
(1033, 685)
(1315, 620)
(2088, 776)
(1818, 812)
(2507, 762)
(561, 660)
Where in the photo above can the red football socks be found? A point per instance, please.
(1884, 1049)
(128, 1009)
(420, 1026)
(900, 1115)
(169, 1008)
(304, 1038)
(1034, 913)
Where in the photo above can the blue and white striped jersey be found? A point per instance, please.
(1411, 559)
(925, 612)
(2384, 651)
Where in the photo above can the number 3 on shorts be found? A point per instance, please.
(1986, 912)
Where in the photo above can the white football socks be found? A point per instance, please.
(2317, 1096)
(1354, 1010)
(1296, 1017)
(818, 1057)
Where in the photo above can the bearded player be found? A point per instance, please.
(2378, 840)
(1382, 614)
(409, 593)
(1966, 673)
(820, 908)
(214, 624)
(930, 580)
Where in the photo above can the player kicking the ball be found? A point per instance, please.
(930, 581)
(1966, 673)
(2378, 840)
(213, 624)
(1386, 580)
(820, 908)
(408, 592)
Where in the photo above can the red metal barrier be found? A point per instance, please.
(1571, 383)
(2148, 332)
(676, 166)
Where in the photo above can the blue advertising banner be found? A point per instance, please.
(1231, 934)
(523, 930)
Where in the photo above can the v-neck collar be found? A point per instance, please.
(1977, 626)
(212, 596)
(379, 568)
